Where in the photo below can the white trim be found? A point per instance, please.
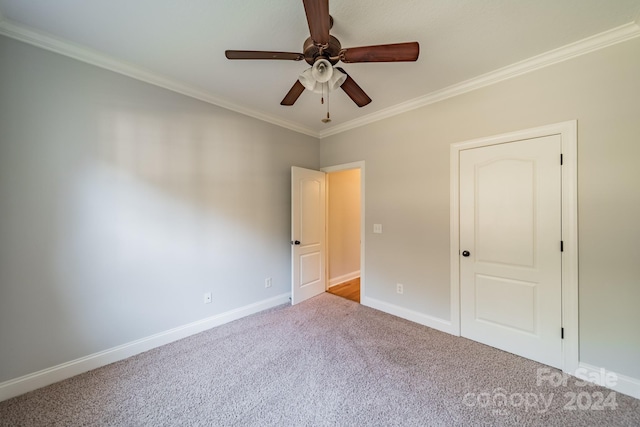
(343, 167)
(599, 41)
(569, 133)
(29, 382)
(570, 319)
(454, 239)
(624, 384)
(347, 166)
(414, 316)
(99, 59)
(344, 278)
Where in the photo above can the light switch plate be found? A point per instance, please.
(377, 228)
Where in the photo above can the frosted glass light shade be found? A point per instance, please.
(335, 80)
(322, 70)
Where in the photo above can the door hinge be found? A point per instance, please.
(561, 333)
(561, 246)
(561, 159)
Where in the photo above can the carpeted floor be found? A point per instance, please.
(325, 362)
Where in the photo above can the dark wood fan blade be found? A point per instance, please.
(294, 93)
(354, 91)
(318, 19)
(259, 54)
(382, 53)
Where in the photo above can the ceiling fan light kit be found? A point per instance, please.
(322, 75)
(323, 51)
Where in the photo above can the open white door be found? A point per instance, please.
(307, 234)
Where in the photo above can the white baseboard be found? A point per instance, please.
(624, 384)
(621, 383)
(344, 278)
(29, 382)
(414, 316)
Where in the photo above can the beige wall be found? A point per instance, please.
(407, 190)
(121, 204)
(344, 223)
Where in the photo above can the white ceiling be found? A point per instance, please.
(181, 44)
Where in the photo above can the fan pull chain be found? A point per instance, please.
(327, 119)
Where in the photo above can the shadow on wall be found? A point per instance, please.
(121, 204)
(162, 208)
(127, 229)
(171, 199)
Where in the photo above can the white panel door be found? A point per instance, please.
(510, 234)
(307, 233)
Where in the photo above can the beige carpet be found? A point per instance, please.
(325, 362)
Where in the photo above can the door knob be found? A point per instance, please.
(465, 253)
(297, 242)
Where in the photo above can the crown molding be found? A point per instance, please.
(599, 41)
(93, 57)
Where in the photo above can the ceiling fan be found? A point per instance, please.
(322, 51)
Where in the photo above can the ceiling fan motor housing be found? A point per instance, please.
(331, 53)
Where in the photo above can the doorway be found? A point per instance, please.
(344, 230)
(310, 231)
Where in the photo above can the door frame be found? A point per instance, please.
(338, 168)
(568, 132)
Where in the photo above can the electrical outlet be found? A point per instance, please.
(399, 288)
(267, 282)
(207, 297)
